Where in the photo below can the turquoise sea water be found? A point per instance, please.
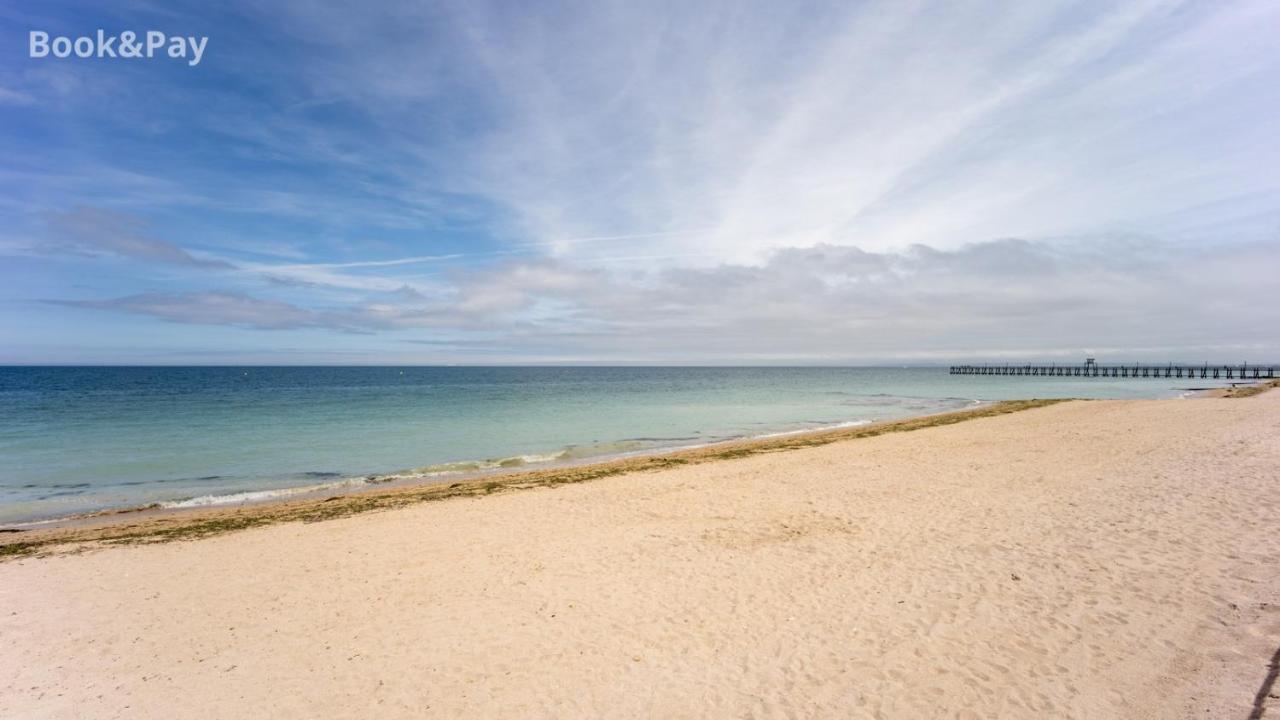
(74, 440)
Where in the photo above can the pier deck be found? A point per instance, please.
(1204, 372)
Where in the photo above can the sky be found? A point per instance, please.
(643, 182)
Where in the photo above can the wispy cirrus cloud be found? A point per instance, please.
(220, 308)
(92, 231)
(13, 97)
(877, 124)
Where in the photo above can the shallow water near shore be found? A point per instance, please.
(77, 440)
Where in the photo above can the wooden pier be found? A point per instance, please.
(1202, 372)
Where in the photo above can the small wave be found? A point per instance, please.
(64, 493)
(439, 470)
(260, 495)
(819, 428)
(604, 449)
(468, 466)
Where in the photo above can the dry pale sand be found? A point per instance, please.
(1086, 560)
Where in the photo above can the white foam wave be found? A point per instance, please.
(467, 466)
(819, 428)
(260, 495)
(430, 471)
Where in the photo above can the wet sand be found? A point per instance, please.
(1105, 559)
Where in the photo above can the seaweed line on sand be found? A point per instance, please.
(1243, 391)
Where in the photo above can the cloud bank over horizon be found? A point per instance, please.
(638, 182)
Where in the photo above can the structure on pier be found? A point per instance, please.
(1092, 369)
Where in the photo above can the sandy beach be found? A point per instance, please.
(1101, 559)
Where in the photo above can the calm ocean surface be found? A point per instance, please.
(80, 439)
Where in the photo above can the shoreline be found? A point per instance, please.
(427, 475)
(176, 520)
(156, 523)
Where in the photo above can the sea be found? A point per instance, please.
(82, 439)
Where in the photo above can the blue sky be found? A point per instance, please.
(650, 182)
